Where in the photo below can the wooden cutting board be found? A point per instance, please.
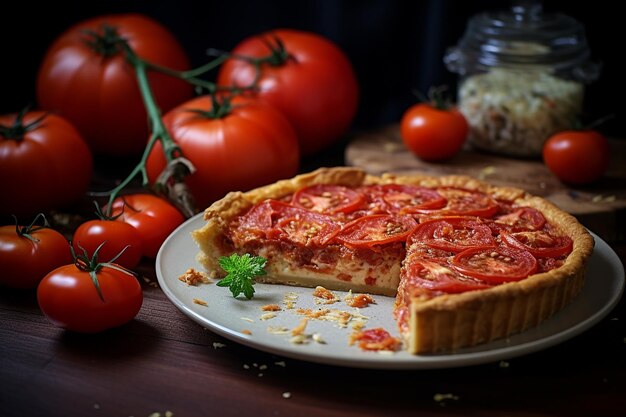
(601, 206)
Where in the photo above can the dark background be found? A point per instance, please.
(395, 46)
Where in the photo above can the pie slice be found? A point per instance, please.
(468, 262)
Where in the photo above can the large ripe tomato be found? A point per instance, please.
(44, 163)
(311, 81)
(93, 86)
(28, 253)
(115, 237)
(577, 156)
(252, 145)
(153, 217)
(433, 134)
(69, 298)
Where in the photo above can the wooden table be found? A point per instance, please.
(164, 364)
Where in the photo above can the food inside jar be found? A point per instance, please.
(513, 112)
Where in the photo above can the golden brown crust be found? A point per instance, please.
(446, 322)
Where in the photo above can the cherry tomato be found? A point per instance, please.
(44, 163)
(495, 265)
(326, 198)
(69, 298)
(153, 217)
(252, 145)
(540, 243)
(28, 253)
(377, 229)
(433, 134)
(453, 234)
(116, 236)
(310, 80)
(577, 156)
(437, 276)
(86, 78)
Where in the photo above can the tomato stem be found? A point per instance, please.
(91, 265)
(27, 231)
(19, 129)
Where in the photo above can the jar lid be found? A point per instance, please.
(523, 36)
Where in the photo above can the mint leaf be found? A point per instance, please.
(241, 271)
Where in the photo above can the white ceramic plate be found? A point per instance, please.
(228, 317)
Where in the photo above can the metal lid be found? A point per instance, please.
(523, 36)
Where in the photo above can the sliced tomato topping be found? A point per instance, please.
(454, 234)
(495, 265)
(522, 219)
(398, 198)
(377, 229)
(463, 202)
(273, 219)
(327, 198)
(540, 243)
(436, 276)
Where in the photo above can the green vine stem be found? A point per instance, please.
(171, 182)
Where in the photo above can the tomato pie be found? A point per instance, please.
(467, 262)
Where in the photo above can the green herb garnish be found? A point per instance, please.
(241, 269)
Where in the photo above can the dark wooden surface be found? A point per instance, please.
(163, 362)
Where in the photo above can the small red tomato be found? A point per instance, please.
(69, 297)
(114, 237)
(433, 134)
(28, 253)
(153, 217)
(577, 156)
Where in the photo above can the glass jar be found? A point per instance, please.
(522, 77)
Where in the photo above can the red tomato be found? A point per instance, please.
(313, 83)
(577, 156)
(377, 229)
(95, 87)
(453, 234)
(252, 145)
(327, 198)
(68, 298)
(495, 265)
(43, 165)
(116, 236)
(25, 261)
(437, 276)
(433, 134)
(541, 244)
(153, 217)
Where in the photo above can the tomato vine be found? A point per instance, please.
(171, 182)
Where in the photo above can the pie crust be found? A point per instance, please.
(435, 324)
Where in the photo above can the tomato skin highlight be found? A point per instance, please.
(25, 262)
(432, 134)
(253, 145)
(115, 237)
(577, 157)
(154, 219)
(49, 167)
(68, 298)
(99, 94)
(316, 88)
